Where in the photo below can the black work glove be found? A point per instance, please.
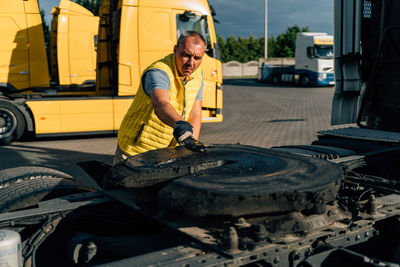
(193, 144)
(182, 130)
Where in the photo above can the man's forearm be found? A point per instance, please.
(167, 114)
(195, 118)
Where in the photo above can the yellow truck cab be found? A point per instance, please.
(23, 62)
(132, 34)
(73, 39)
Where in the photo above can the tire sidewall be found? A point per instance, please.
(19, 120)
(11, 176)
(305, 80)
(28, 193)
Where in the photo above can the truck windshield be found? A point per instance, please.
(324, 51)
(190, 22)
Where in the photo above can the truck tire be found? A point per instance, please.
(305, 80)
(228, 180)
(28, 193)
(20, 174)
(12, 123)
(276, 79)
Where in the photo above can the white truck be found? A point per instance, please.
(314, 62)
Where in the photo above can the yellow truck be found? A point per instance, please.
(131, 35)
(73, 40)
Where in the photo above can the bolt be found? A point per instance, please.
(91, 250)
(358, 237)
(376, 233)
(233, 240)
(261, 233)
(276, 260)
(370, 206)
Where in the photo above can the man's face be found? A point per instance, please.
(188, 56)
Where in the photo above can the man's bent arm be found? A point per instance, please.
(195, 118)
(162, 107)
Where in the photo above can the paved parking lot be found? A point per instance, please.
(254, 114)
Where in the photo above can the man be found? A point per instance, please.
(167, 107)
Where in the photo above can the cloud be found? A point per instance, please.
(246, 18)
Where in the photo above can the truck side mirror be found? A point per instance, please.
(186, 16)
(310, 52)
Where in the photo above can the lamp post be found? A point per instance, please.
(266, 31)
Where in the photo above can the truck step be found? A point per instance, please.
(363, 134)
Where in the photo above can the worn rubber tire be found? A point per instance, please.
(12, 123)
(230, 180)
(28, 193)
(20, 174)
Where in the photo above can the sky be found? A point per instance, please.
(246, 17)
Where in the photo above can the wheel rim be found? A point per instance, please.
(8, 123)
(306, 80)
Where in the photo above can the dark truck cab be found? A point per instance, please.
(335, 202)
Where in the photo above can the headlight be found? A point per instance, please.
(321, 76)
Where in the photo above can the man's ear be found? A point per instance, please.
(175, 48)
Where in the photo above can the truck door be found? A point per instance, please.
(347, 36)
(14, 68)
(75, 29)
(155, 33)
(212, 97)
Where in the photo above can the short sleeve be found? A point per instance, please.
(155, 79)
(200, 93)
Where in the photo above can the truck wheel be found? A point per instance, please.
(275, 79)
(20, 174)
(29, 193)
(305, 80)
(12, 123)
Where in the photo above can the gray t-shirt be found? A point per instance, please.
(156, 78)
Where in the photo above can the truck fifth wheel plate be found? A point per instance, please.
(232, 180)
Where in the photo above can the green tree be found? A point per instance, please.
(286, 42)
(92, 5)
(222, 46)
(251, 48)
(271, 46)
(240, 48)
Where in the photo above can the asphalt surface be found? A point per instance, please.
(254, 114)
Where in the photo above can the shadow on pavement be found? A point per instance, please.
(253, 82)
(256, 83)
(30, 138)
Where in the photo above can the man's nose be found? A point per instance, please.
(191, 60)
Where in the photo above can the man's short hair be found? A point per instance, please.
(198, 37)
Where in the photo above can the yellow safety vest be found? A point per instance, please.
(141, 130)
